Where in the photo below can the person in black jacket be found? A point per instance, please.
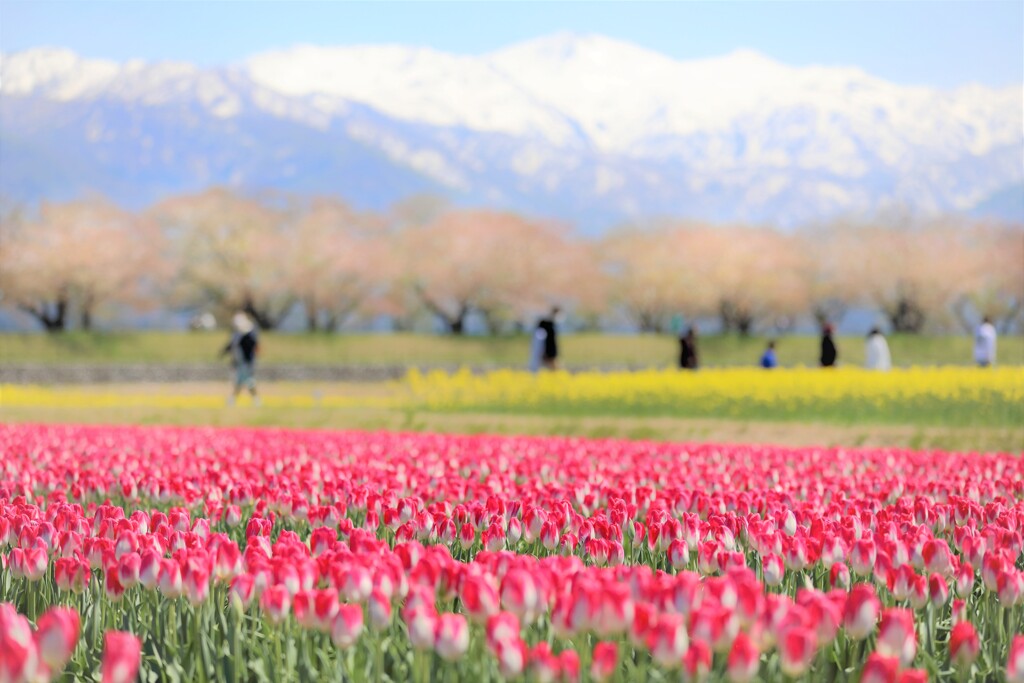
(688, 350)
(828, 348)
(547, 325)
(243, 347)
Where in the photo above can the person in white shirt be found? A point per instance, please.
(985, 343)
(876, 351)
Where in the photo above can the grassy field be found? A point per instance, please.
(578, 350)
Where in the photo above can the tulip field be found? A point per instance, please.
(200, 554)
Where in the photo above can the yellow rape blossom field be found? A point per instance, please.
(949, 396)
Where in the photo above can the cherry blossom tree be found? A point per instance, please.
(231, 253)
(335, 261)
(496, 264)
(72, 258)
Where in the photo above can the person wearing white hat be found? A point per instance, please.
(243, 347)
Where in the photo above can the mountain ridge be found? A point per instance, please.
(585, 128)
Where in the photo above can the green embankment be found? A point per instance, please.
(578, 350)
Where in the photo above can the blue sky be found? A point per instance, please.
(944, 44)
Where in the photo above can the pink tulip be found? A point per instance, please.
(519, 595)
(149, 569)
(242, 590)
(919, 595)
(605, 661)
(1015, 661)
(275, 602)
(667, 640)
(451, 636)
(744, 659)
(839, 576)
(938, 558)
(196, 580)
(862, 557)
(128, 567)
(19, 655)
(861, 612)
(880, 669)
(56, 636)
(774, 570)
(964, 580)
(964, 645)
(896, 635)
(938, 590)
(549, 535)
(112, 585)
(544, 665)
(347, 626)
(302, 608)
(35, 564)
(379, 607)
(356, 584)
(502, 628)
(467, 536)
(421, 624)
(697, 661)
(480, 598)
(797, 648)
(122, 653)
(678, 553)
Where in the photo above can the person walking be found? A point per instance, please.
(829, 353)
(538, 341)
(688, 359)
(549, 358)
(243, 347)
(768, 359)
(985, 343)
(876, 351)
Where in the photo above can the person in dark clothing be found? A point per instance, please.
(828, 348)
(547, 325)
(688, 350)
(243, 347)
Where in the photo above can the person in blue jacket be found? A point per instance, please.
(768, 359)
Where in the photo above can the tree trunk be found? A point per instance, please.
(829, 311)
(312, 322)
(648, 321)
(264, 318)
(454, 323)
(53, 317)
(1012, 315)
(906, 316)
(85, 314)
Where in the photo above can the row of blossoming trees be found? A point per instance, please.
(272, 254)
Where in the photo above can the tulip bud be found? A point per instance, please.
(963, 644)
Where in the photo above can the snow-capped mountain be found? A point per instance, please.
(581, 127)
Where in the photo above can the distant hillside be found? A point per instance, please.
(581, 127)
